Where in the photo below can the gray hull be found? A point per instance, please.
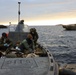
(28, 66)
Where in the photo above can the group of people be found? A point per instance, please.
(27, 44)
(30, 42)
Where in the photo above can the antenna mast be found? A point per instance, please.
(19, 11)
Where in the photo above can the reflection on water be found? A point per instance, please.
(60, 42)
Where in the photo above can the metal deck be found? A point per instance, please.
(24, 66)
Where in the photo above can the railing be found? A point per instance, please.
(16, 33)
(18, 28)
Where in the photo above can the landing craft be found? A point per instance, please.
(40, 62)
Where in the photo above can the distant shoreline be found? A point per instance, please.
(2, 26)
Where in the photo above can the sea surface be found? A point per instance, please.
(60, 42)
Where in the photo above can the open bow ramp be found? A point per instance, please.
(27, 66)
(21, 66)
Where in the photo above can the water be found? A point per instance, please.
(60, 42)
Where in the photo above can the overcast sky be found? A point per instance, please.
(38, 11)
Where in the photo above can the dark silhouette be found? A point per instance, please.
(20, 26)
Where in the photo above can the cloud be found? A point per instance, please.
(35, 9)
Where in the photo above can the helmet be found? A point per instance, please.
(4, 34)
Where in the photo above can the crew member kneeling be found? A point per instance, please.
(5, 42)
(26, 44)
